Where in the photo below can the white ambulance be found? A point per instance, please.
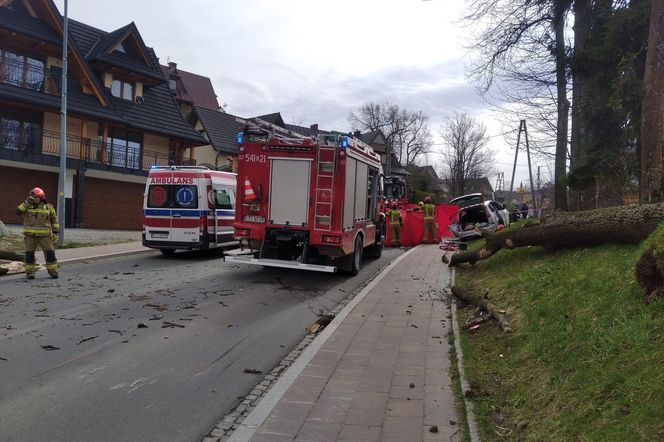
(188, 208)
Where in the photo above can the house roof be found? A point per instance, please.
(274, 118)
(477, 185)
(193, 88)
(157, 113)
(220, 128)
(16, 18)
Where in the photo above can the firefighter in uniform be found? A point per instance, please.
(429, 221)
(40, 222)
(394, 218)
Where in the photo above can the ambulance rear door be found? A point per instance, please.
(223, 201)
(175, 202)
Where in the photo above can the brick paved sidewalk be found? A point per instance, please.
(383, 373)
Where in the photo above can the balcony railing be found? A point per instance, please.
(90, 151)
(29, 74)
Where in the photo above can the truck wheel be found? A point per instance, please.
(356, 262)
(167, 252)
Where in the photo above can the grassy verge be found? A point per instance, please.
(586, 358)
(14, 242)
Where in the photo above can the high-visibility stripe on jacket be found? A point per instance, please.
(38, 220)
(429, 211)
(394, 216)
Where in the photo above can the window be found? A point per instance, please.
(21, 70)
(173, 84)
(224, 198)
(122, 89)
(124, 148)
(20, 129)
(172, 197)
(120, 48)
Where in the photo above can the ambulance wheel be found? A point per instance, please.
(167, 252)
(356, 262)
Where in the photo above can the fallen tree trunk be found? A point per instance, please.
(485, 304)
(625, 224)
(11, 256)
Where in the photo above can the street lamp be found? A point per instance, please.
(63, 136)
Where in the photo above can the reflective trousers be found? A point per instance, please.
(395, 234)
(430, 227)
(44, 242)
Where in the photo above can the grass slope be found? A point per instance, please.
(586, 358)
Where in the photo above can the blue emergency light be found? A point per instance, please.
(344, 142)
(239, 138)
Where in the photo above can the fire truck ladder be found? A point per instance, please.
(324, 187)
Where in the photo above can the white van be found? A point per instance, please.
(187, 208)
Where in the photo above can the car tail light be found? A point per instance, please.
(242, 232)
(331, 239)
(203, 223)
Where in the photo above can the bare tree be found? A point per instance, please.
(521, 58)
(652, 122)
(407, 132)
(465, 154)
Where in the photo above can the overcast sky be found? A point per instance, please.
(315, 61)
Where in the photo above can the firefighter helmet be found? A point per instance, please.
(38, 192)
(393, 205)
(427, 199)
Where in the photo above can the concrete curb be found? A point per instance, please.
(92, 258)
(107, 255)
(465, 387)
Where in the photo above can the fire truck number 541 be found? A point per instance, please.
(255, 158)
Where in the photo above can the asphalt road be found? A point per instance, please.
(149, 348)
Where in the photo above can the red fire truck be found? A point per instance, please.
(313, 204)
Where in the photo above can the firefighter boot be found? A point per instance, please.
(51, 264)
(29, 265)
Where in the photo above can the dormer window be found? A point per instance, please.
(122, 89)
(120, 48)
(173, 84)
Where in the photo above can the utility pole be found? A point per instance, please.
(62, 179)
(539, 191)
(522, 128)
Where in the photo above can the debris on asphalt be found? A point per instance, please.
(413, 325)
(128, 273)
(433, 429)
(87, 339)
(412, 385)
(141, 325)
(452, 422)
(252, 371)
(111, 290)
(167, 324)
(2, 358)
(159, 307)
(321, 323)
(50, 347)
(116, 331)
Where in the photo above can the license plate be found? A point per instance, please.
(254, 219)
(159, 235)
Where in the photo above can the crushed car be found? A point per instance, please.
(477, 216)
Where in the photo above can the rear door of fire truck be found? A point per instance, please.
(289, 191)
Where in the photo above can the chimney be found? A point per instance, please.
(172, 66)
(357, 134)
(314, 127)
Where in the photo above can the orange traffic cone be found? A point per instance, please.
(249, 194)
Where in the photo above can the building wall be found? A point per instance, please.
(107, 204)
(113, 205)
(155, 143)
(207, 155)
(17, 183)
